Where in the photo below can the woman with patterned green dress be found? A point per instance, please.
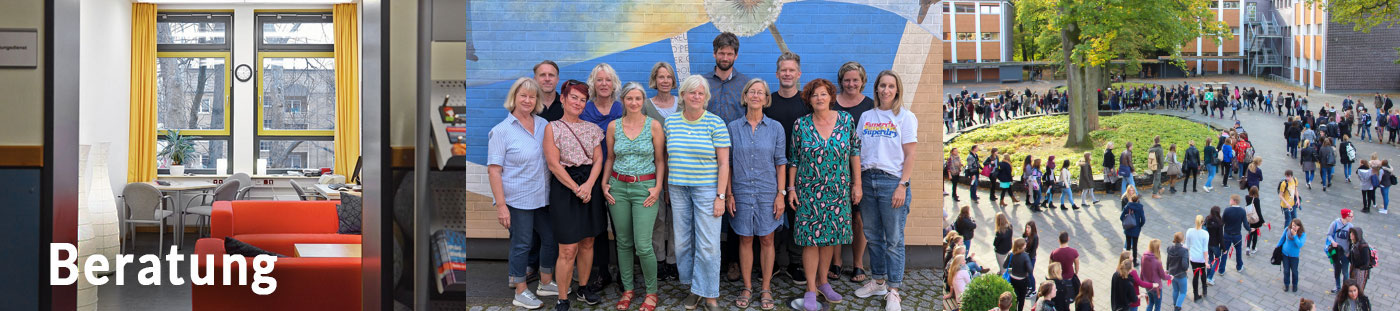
(825, 180)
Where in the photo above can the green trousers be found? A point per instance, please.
(633, 223)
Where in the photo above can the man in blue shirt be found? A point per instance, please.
(1235, 221)
(726, 84)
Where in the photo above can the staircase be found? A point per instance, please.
(1264, 44)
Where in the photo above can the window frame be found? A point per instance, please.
(264, 131)
(263, 51)
(224, 51)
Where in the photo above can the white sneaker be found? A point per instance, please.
(550, 289)
(872, 288)
(526, 299)
(1385, 211)
(892, 301)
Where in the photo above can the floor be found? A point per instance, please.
(133, 296)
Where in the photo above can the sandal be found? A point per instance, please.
(649, 303)
(858, 275)
(626, 301)
(833, 273)
(744, 298)
(765, 300)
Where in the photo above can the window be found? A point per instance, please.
(990, 9)
(1232, 4)
(296, 153)
(296, 88)
(1214, 4)
(1251, 11)
(966, 36)
(990, 36)
(192, 84)
(965, 8)
(1236, 31)
(947, 8)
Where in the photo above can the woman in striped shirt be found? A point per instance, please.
(697, 154)
(520, 188)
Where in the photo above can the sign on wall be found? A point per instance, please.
(19, 48)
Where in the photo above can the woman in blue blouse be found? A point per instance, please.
(520, 189)
(755, 207)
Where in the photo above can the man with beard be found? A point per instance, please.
(726, 101)
(726, 84)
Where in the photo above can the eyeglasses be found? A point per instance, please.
(756, 92)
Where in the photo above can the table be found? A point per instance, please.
(327, 250)
(332, 194)
(179, 188)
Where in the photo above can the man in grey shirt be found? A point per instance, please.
(1156, 153)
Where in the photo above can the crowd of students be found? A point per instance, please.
(801, 169)
(1319, 140)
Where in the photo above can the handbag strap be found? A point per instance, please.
(580, 142)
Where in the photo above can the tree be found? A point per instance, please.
(1364, 15)
(1091, 33)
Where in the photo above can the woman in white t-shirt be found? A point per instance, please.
(888, 136)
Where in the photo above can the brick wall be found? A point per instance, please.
(1361, 61)
(631, 37)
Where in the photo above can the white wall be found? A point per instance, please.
(105, 75)
(22, 90)
(403, 72)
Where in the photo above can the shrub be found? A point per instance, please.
(983, 292)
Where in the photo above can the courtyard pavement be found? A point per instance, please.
(1096, 231)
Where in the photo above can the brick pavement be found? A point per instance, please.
(1096, 231)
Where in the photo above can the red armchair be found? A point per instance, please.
(302, 283)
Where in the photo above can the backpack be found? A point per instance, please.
(1394, 122)
(1375, 257)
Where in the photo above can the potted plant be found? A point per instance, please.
(983, 292)
(178, 148)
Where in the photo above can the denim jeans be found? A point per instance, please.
(1341, 269)
(1232, 242)
(525, 227)
(972, 185)
(1213, 262)
(1293, 147)
(1179, 290)
(1128, 181)
(1346, 170)
(1290, 272)
(1327, 176)
(1067, 193)
(1308, 175)
(1289, 214)
(1154, 300)
(1385, 196)
(697, 238)
(1210, 169)
(1365, 133)
(884, 225)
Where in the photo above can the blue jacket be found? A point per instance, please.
(1136, 209)
(1227, 153)
(1292, 246)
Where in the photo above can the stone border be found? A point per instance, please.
(1098, 179)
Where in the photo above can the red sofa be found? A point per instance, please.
(302, 283)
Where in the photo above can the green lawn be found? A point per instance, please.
(1042, 137)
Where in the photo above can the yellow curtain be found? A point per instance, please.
(141, 155)
(347, 88)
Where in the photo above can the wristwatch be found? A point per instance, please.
(905, 184)
(721, 196)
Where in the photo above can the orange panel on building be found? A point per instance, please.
(1232, 17)
(1232, 66)
(965, 23)
(991, 51)
(991, 74)
(966, 75)
(967, 51)
(1317, 80)
(947, 54)
(1231, 46)
(1317, 47)
(991, 23)
(1189, 47)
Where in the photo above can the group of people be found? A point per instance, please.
(799, 168)
(966, 109)
(1319, 140)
